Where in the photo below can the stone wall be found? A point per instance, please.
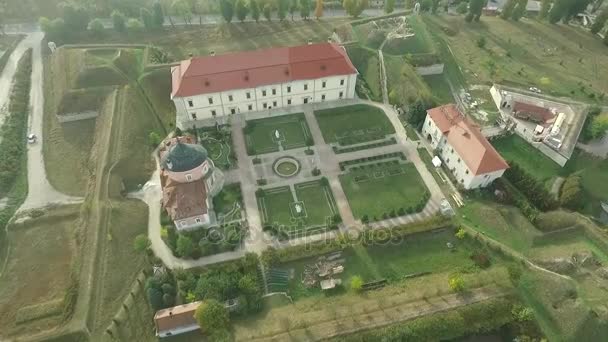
(434, 69)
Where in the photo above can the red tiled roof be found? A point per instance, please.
(466, 139)
(211, 74)
(176, 317)
(532, 112)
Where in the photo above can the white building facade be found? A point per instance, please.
(471, 159)
(260, 81)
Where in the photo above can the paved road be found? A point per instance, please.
(40, 192)
(7, 75)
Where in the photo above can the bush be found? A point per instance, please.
(481, 259)
(533, 189)
(481, 42)
(141, 243)
(571, 195)
(462, 7)
(555, 220)
(356, 283)
(134, 25)
(96, 27)
(456, 282)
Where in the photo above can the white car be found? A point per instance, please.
(32, 138)
(536, 90)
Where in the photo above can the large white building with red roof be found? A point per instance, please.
(213, 87)
(464, 150)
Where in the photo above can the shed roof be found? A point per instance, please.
(176, 317)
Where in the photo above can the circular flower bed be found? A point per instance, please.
(286, 167)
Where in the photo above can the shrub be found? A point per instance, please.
(185, 246)
(262, 181)
(141, 243)
(456, 282)
(571, 195)
(462, 7)
(460, 234)
(212, 315)
(481, 42)
(480, 259)
(96, 27)
(356, 283)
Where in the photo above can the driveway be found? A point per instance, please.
(40, 192)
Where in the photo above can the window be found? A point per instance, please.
(459, 160)
(213, 113)
(323, 97)
(461, 180)
(198, 220)
(232, 110)
(289, 89)
(306, 100)
(342, 82)
(265, 105)
(341, 95)
(323, 84)
(274, 91)
(188, 177)
(288, 101)
(448, 160)
(248, 95)
(486, 176)
(250, 107)
(210, 99)
(466, 172)
(274, 103)
(193, 116)
(452, 150)
(190, 103)
(230, 98)
(306, 87)
(263, 92)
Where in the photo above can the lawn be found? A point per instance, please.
(522, 53)
(228, 203)
(440, 89)
(502, 223)
(157, 87)
(121, 263)
(564, 244)
(405, 86)
(377, 190)
(515, 149)
(278, 209)
(38, 271)
(353, 124)
(260, 134)
(593, 171)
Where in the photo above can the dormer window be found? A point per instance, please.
(188, 177)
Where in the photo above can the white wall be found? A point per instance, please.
(177, 331)
(286, 94)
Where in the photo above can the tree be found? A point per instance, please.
(507, 10)
(213, 318)
(426, 5)
(389, 6)
(118, 21)
(416, 113)
(96, 27)
(599, 125)
(241, 10)
(481, 42)
(283, 6)
(545, 6)
(515, 273)
(462, 7)
(158, 15)
(75, 16)
(304, 9)
(141, 243)
(153, 137)
(54, 29)
(435, 6)
(155, 297)
(227, 10)
(456, 282)
(520, 10)
(475, 9)
(293, 7)
(600, 21)
(254, 7)
(356, 283)
(319, 9)
(460, 234)
(269, 257)
(354, 8)
(268, 11)
(146, 17)
(185, 246)
(409, 4)
(183, 9)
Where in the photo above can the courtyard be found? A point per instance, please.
(277, 134)
(353, 124)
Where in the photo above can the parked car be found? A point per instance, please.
(536, 90)
(32, 138)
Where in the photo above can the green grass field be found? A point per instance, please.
(38, 271)
(503, 223)
(525, 52)
(440, 89)
(225, 203)
(516, 149)
(353, 124)
(277, 207)
(367, 63)
(593, 171)
(293, 133)
(405, 86)
(378, 190)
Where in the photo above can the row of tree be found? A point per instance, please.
(534, 190)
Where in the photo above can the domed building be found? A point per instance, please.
(189, 180)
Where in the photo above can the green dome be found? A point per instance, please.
(184, 157)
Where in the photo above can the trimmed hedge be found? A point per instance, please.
(338, 149)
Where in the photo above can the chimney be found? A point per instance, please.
(310, 42)
(171, 314)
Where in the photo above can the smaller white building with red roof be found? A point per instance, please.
(214, 87)
(464, 150)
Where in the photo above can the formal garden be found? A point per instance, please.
(277, 134)
(218, 143)
(309, 208)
